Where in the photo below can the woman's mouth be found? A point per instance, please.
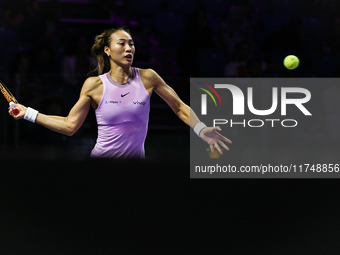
(128, 56)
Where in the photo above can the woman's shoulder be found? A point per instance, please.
(149, 77)
(92, 83)
(147, 73)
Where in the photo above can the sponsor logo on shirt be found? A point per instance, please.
(119, 102)
(124, 94)
(113, 102)
(139, 103)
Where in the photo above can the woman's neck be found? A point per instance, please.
(120, 75)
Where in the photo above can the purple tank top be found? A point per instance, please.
(122, 118)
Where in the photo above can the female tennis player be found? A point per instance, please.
(120, 96)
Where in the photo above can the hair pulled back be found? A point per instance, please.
(102, 40)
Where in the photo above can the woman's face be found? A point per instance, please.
(121, 48)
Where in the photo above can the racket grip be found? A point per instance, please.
(14, 110)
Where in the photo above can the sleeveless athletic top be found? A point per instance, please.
(122, 118)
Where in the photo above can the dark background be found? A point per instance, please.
(55, 200)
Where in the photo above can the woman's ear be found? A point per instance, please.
(107, 50)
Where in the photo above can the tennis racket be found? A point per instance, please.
(9, 97)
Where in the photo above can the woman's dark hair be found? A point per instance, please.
(102, 40)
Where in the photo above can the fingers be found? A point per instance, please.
(212, 149)
(223, 137)
(10, 110)
(217, 148)
(227, 140)
(13, 110)
(223, 145)
(12, 105)
(216, 139)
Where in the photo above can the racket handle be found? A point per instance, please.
(14, 110)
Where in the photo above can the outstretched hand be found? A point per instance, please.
(214, 139)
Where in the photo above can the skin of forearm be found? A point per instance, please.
(187, 115)
(55, 123)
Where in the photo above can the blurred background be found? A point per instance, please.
(54, 200)
(45, 55)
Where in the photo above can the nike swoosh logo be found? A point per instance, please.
(124, 94)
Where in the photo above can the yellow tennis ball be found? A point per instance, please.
(291, 62)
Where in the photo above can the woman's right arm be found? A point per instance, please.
(76, 117)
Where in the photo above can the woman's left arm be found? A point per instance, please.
(183, 111)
